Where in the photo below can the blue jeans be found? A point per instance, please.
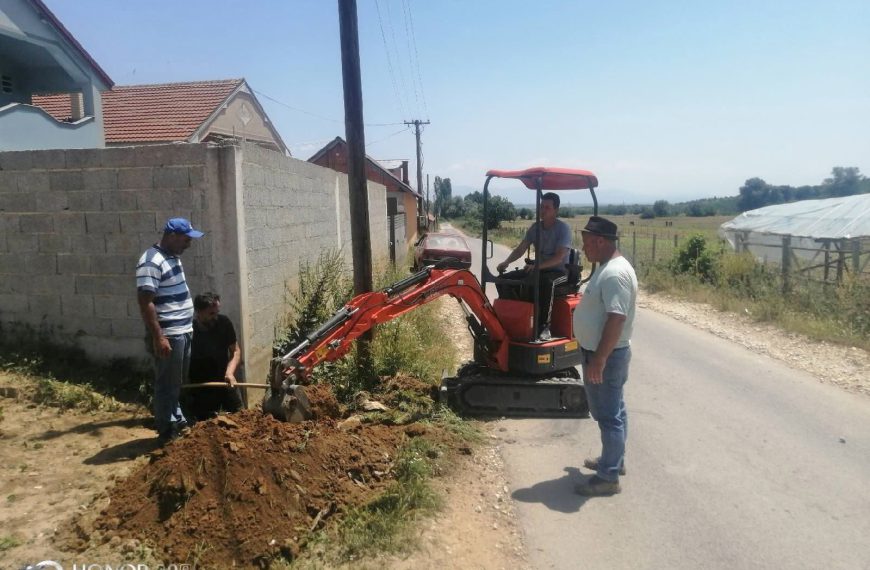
(607, 406)
(169, 374)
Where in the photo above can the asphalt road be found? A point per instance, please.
(734, 461)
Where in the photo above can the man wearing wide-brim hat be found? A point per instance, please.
(603, 324)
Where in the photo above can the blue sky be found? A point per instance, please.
(666, 100)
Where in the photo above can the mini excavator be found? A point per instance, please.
(514, 372)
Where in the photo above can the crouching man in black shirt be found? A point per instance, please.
(214, 357)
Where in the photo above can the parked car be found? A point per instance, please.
(433, 247)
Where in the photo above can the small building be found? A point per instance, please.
(197, 111)
(402, 200)
(39, 55)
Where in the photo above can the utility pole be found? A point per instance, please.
(356, 144)
(427, 201)
(417, 123)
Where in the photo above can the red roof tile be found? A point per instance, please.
(152, 113)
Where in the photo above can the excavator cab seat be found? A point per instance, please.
(573, 270)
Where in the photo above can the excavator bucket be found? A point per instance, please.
(286, 401)
(289, 404)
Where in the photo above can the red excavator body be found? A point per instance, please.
(513, 371)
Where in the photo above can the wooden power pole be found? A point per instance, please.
(356, 167)
(356, 144)
(417, 123)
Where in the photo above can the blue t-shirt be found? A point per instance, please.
(551, 239)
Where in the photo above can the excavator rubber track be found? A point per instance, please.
(479, 391)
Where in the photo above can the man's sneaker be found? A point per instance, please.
(597, 487)
(592, 463)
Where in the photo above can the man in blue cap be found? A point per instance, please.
(603, 324)
(167, 310)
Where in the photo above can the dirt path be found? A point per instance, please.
(53, 464)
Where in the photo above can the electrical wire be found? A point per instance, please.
(272, 99)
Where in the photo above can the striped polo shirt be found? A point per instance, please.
(161, 273)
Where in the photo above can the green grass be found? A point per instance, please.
(8, 542)
(386, 524)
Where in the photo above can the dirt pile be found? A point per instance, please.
(243, 489)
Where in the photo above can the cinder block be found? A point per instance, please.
(132, 307)
(17, 202)
(48, 159)
(135, 222)
(111, 307)
(9, 222)
(74, 263)
(42, 284)
(69, 223)
(36, 223)
(89, 326)
(154, 199)
(105, 285)
(16, 160)
(135, 178)
(91, 244)
(22, 243)
(182, 199)
(109, 264)
(44, 305)
(34, 181)
(77, 305)
(198, 177)
(118, 157)
(123, 243)
(8, 181)
(53, 243)
(4, 247)
(119, 201)
(13, 302)
(102, 179)
(40, 263)
(84, 158)
(102, 223)
(85, 201)
(66, 180)
(51, 201)
(171, 177)
(128, 328)
(10, 263)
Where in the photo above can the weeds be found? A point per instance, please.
(735, 282)
(65, 373)
(383, 525)
(8, 542)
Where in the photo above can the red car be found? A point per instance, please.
(433, 247)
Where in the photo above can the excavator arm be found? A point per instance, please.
(334, 338)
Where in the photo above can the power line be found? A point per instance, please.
(417, 59)
(389, 60)
(272, 99)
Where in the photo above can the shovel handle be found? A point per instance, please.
(223, 385)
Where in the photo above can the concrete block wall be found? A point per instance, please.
(293, 210)
(73, 224)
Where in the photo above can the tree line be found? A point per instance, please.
(755, 193)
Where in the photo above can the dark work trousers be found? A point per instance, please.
(549, 279)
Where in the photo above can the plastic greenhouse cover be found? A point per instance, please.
(831, 218)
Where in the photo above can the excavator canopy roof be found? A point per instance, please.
(551, 178)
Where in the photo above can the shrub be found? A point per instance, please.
(694, 257)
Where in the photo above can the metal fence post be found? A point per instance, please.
(654, 248)
(634, 248)
(786, 263)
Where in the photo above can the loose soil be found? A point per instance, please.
(243, 488)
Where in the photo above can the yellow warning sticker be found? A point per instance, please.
(571, 346)
(321, 352)
(543, 359)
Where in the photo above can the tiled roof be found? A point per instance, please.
(152, 113)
